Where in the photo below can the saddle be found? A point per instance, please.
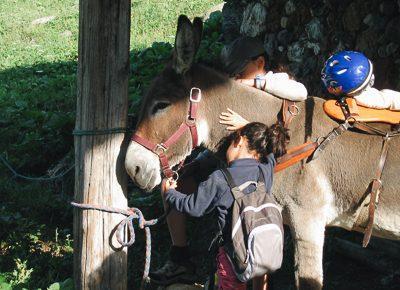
(363, 114)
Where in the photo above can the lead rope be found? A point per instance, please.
(127, 223)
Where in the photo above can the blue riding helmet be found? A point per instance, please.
(347, 72)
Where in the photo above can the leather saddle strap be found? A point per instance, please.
(350, 111)
(295, 155)
(375, 131)
(331, 136)
(352, 106)
(375, 191)
(289, 111)
(345, 107)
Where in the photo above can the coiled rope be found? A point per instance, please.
(127, 223)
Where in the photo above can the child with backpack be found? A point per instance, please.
(247, 212)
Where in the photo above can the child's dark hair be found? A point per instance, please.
(261, 139)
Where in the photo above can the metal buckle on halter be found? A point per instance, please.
(175, 175)
(198, 99)
(189, 121)
(161, 147)
(295, 112)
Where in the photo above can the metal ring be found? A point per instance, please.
(351, 119)
(161, 147)
(296, 111)
(379, 181)
(198, 96)
(175, 175)
(189, 121)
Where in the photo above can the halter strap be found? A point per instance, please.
(189, 124)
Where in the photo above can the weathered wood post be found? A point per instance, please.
(102, 101)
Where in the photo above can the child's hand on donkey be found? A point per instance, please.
(232, 119)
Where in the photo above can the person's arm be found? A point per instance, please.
(198, 203)
(280, 85)
(384, 99)
(247, 82)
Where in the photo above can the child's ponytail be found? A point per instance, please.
(260, 138)
(277, 137)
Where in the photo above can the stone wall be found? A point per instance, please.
(301, 35)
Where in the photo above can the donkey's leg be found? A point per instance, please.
(308, 230)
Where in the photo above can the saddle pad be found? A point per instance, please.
(363, 114)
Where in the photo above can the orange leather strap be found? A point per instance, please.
(295, 155)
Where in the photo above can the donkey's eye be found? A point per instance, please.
(159, 106)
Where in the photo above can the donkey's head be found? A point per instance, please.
(164, 109)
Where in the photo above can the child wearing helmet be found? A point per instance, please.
(350, 73)
(244, 59)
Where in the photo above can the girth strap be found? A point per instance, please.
(372, 197)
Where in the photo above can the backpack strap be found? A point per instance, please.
(228, 177)
(261, 176)
(236, 192)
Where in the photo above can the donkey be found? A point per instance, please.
(323, 192)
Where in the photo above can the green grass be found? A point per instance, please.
(24, 44)
(37, 116)
(155, 20)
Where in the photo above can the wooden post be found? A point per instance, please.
(100, 178)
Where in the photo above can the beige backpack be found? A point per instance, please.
(257, 230)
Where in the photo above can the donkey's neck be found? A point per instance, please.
(220, 93)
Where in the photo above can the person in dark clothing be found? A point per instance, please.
(249, 149)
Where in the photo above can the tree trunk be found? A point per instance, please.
(100, 179)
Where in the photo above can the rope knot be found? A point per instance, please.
(126, 225)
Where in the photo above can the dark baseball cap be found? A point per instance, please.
(240, 52)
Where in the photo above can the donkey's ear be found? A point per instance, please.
(185, 49)
(197, 31)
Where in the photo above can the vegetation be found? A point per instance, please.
(38, 55)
